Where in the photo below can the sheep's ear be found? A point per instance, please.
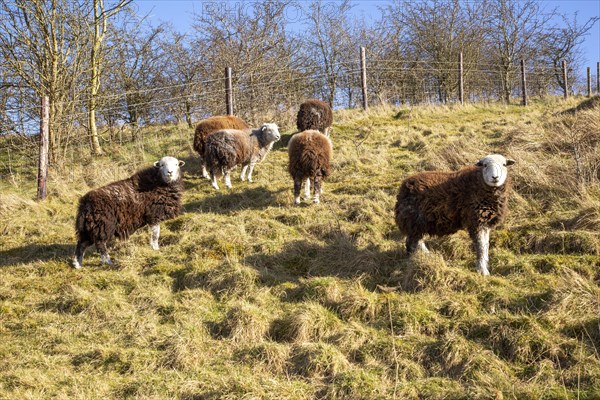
(479, 163)
(181, 163)
(157, 164)
(509, 162)
(264, 128)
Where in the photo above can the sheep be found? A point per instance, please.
(441, 203)
(314, 114)
(211, 125)
(309, 155)
(228, 148)
(118, 209)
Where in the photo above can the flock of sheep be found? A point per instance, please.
(433, 203)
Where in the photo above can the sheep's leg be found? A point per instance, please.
(307, 189)
(154, 237)
(421, 246)
(213, 179)
(297, 186)
(250, 172)
(79, 252)
(317, 189)
(205, 173)
(227, 179)
(482, 247)
(101, 246)
(243, 175)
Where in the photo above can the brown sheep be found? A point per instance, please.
(118, 209)
(314, 114)
(309, 155)
(474, 198)
(211, 125)
(228, 148)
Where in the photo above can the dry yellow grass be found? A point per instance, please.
(250, 297)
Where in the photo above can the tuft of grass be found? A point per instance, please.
(251, 297)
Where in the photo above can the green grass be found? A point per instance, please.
(251, 297)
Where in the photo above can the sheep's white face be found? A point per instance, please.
(169, 168)
(494, 169)
(271, 132)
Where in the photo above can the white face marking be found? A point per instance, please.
(271, 132)
(494, 170)
(169, 168)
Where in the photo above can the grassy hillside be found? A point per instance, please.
(250, 297)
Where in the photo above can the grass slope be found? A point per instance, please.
(252, 298)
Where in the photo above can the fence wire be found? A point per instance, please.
(272, 95)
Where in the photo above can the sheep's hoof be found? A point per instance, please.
(216, 187)
(297, 201)
(76, 264)
(316, 201)
(154, 246)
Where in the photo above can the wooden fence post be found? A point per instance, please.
(461, 88)
(598, 77)
(363, 77)
(566, 84)
(589, 82)
(43, 155)
(228, 91)
(523, 83)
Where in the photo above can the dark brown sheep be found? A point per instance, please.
(309, 155)
(441, 203)
(314, 114)
(211, 125)
(228, 148)
(118, 209)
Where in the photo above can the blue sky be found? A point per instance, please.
(180, 12)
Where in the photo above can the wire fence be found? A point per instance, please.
(260, 96)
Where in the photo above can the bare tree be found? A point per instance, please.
(183, 73)
(518, 28)
(425, 39)
(326, 41)
(136, 71)
(251, 38)
(563, 43)
(99, 28)
(42, 44)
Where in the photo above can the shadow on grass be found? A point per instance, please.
(36, 252)
(338, 257)
(226, 201)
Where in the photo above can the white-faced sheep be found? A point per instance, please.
(314, 114)
(120, 208)
(230, 147)
(440, 203)
(208, 126)
(309, 155)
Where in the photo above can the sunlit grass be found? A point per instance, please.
(251, 297)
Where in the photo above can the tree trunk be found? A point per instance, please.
(188, 115)
(95, 81)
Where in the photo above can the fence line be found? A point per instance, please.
(396, 81)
